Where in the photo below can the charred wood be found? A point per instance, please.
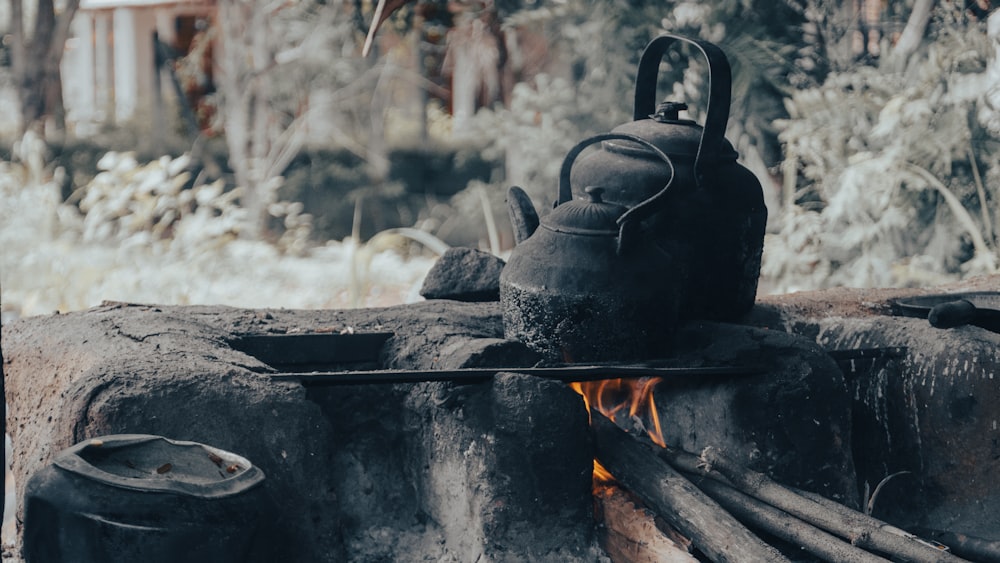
(712, 530)
(913, 547)
(860, 529)
(763, 516)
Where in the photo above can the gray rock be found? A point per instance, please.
(464, 274)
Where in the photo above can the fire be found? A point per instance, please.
(611, 397)
(614, 397)
(601, 475)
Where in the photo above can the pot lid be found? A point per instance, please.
(669, 133)
(147, 463)
(592, 216)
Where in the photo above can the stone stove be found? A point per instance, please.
(500, 470)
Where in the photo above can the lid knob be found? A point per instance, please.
(595, 193)
(668, 111)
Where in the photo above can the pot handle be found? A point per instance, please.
(719, 94)
(629, 221)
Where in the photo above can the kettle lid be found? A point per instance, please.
(668, 132)
(592, 216)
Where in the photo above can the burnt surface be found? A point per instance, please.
(791, 422)
(315, 352)
(580, 328)
(931, 413)
(167, 372)
(518, 470)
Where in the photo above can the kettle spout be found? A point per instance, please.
(523, 217)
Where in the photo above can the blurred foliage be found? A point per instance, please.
(135, 233)
(875, 175)
(593, 93)
(890, 169)
(766, 42)
(135, 204)
(328, 181)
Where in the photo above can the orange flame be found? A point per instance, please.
(601, 475)
(613, 396)
(634, 396)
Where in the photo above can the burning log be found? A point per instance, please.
(861, 530)
(630, 533)
(711, 529)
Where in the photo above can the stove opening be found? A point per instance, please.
(311, 352)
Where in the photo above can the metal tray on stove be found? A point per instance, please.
(949, 310)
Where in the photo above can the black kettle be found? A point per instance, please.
(715, 210)
(587, 284)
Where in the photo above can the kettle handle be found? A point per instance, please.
(719, 94)
(629, 220)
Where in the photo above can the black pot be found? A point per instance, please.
(588, 283)
(131, 497)
(713, 220)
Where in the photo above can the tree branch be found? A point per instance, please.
(913, 33)
(61, 30)
(961, 214)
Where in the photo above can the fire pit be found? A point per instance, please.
(502, 466)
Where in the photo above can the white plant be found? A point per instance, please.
(139, 235)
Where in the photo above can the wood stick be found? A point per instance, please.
(711, 529)
(865, 520)
(860, 529)
(629, 534)
(785, 526)
(691, 463)
(763, 515)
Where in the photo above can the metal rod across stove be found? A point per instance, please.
(475, 375)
